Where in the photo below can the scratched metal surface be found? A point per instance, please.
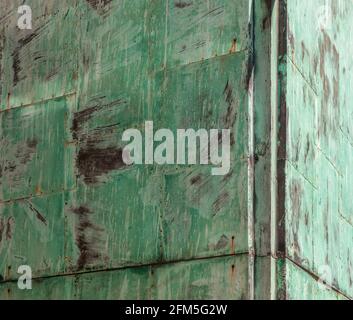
(319, 228)
(90, 227)
(68, 205)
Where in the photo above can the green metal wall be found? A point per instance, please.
(319, 184)
(92, 227)
(88, 225)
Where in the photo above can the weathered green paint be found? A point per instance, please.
(220, 278)
(91, 227)
(69, 207)
(319, 143)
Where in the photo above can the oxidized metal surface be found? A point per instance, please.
(92, 227)
(87, 71)
(319, 233)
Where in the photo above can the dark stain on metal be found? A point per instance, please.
(222, 243)
(81, 117)
(2, 40)
(266, 22)
(330, 56)
(9, 228)
(231, 114)
(88, 238)
(305, 51)
(51, 75)
(100, 6)
(296, 194)
(23, 153)
(94, 162)
(228, 176)
(32, 143)
(39, 216)
(182, 5)
(196, 180)
(220, 202)
(16, 61)
(8, 100)
(282, 147)
(2, 228)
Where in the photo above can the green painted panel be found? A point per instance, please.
(115, 223)
(91, 69)
(113, 60)
(36, 155)
(301, 286)
(186, 32)
(220, 278)
(210, 94)
(201, 217)
(41, 63)
(86, 72)
(32, 232)
(319, 147)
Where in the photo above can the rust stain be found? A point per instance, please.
(233, 48)
(232, 245)
(38, 190)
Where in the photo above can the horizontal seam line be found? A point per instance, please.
(34, 103)
(316, 277)
(156, 264)
(198, 61)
